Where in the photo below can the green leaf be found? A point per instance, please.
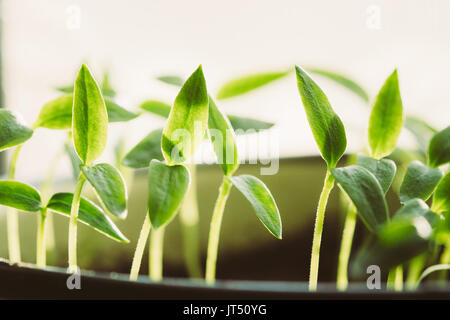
(439, 148)
(222, 139)
(171, 79)
(386, 119)
(90, 118)
(326, 126)
(74, 160)
(344, 81)
(421, 130)
(190, 114)
(157, 107)
(366, 194)
(110, 187)
(248, 83)
(12, 130)
(244, 124)
(384, 170)
(118, 114)
(66, 89)
(19, 195)
(415, 208)
(145, 151)
(166, 190)
(88, 213)
(262, 201)
(57, 114)
(419, 181)
(441, 197)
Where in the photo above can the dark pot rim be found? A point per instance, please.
(26, 281)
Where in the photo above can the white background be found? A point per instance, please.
(138, 40)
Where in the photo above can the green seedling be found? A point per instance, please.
(168, 182)
(55, 115)
(329, 134)
(149, 148)
(254, 190)
(89, 130)
(371, 201)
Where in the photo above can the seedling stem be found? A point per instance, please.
(137, 258)
(73, 224)
(156, 253)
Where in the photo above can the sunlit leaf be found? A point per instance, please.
(439, 148)
(386, 119)
(326, 126)
(262, 201)
(19, 195)
(12, 130)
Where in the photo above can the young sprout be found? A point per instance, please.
(414, 227)
(254, 190)
(150, 148)
(89, 129)
(169, 181)
(384, 128)
(329, 133)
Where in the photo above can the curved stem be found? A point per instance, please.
(156, 254)
(137, 258)
(12, 217)
(395, 278)
(214, 231)
(73, 268)
(189, 225)
(346, 247)
(40, 243)
(318, 227)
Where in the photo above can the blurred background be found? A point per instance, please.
(44, 42)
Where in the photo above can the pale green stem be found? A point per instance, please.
(189, 224)
(12, 217)
(214, 231)
(346, 247)
(445, 259)
(156, 254)
(414, 271)
(137, 258)
(318, 228)
(40, 243)
(395, 278)
(73, 268)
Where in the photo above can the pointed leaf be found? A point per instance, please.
(223, 140)
(88, 213)
(12, 130)
(171, 79)
(262, 201)
(441, 197)
(188, 120)
(386, 119)
(57, 114)
(384, 170)
(248, 83)
(326, 126)
(439, 148)
(19, 195)
(419, 181)
(344, 81)
(421, 130)
(145, 151)
(366, 194)
(90, 118)
(110, 187)
(244, 124)
(167, 186)
(157, 107)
